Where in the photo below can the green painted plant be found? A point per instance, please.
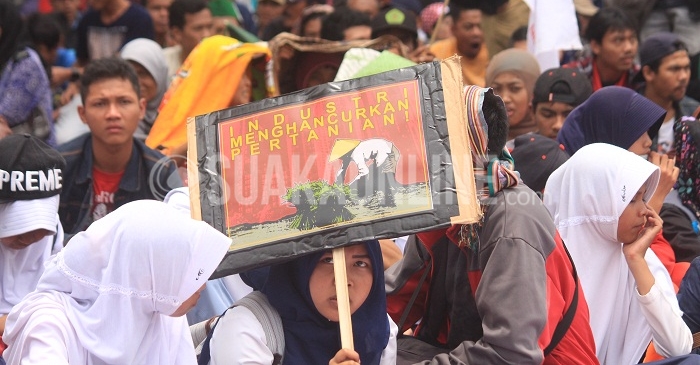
(318, 204)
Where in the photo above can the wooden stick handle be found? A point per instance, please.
(343, 299)
(439, 22)
(192, 170)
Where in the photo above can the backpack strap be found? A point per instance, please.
(269, 319)
(565, 323)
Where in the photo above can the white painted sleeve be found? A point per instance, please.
(239, 339)
(671, 335)
(389, 353)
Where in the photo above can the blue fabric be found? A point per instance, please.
(615, 115)
(24, 85)
(309, 337)
(213, 301)
(679, 360)
(689, 296)
(65, 57)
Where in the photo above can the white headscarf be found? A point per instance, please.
(149, 54)
(586, 196)
(118, 281)
(20, 270)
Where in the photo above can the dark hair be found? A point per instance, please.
(608, 19)
(179, 8)
(311, 16)
(108, 68)
(497, 121)
(457, 10)
(677, 46)
(342, 18)
(44, 30)
(518, 35)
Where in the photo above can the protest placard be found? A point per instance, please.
(374, 157)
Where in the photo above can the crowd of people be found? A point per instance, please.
(587, 175)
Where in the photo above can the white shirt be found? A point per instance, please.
(240, 340)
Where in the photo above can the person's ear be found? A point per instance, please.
(176, 33)
(142, 107)
(648, 73)
(81, 113)
(595, 47)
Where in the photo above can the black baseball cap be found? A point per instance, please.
(536, 157)
(394, 18)
(575, 90)
(29, 168)
(656, 47)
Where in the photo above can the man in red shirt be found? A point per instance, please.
(108, 167)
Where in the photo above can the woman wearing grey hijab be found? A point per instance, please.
(149, 61)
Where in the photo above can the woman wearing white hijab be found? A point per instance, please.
(30, 230)
(598, 201)
(110, 296)
(22, 260)
(148, 59)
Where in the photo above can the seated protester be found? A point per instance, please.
(107, 26)
(118, 292)
(466, 40)
(302, 293)
(613, 42)
(220, 72)
(345, 24)
(665, 73)
(26, 105)
(219, 293)
(512, 74)
(620, 117)
(399, 23)
(312, 20)
(536, 157)
(624, 118)
(190, 22)
(557, 92)
(681, 209)
(147, 58)
(288, 22)
(598, 200)
(471, 301)
(30, 230)
(108, 167)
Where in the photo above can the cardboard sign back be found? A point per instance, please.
(375, 157)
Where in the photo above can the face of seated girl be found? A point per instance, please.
(188, 304)
(360, 278)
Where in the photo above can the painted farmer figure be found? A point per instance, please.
(378, 176)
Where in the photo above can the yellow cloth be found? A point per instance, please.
(473, 69)
(206, 82)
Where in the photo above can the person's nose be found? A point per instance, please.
(558, 124)
(113, 111)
